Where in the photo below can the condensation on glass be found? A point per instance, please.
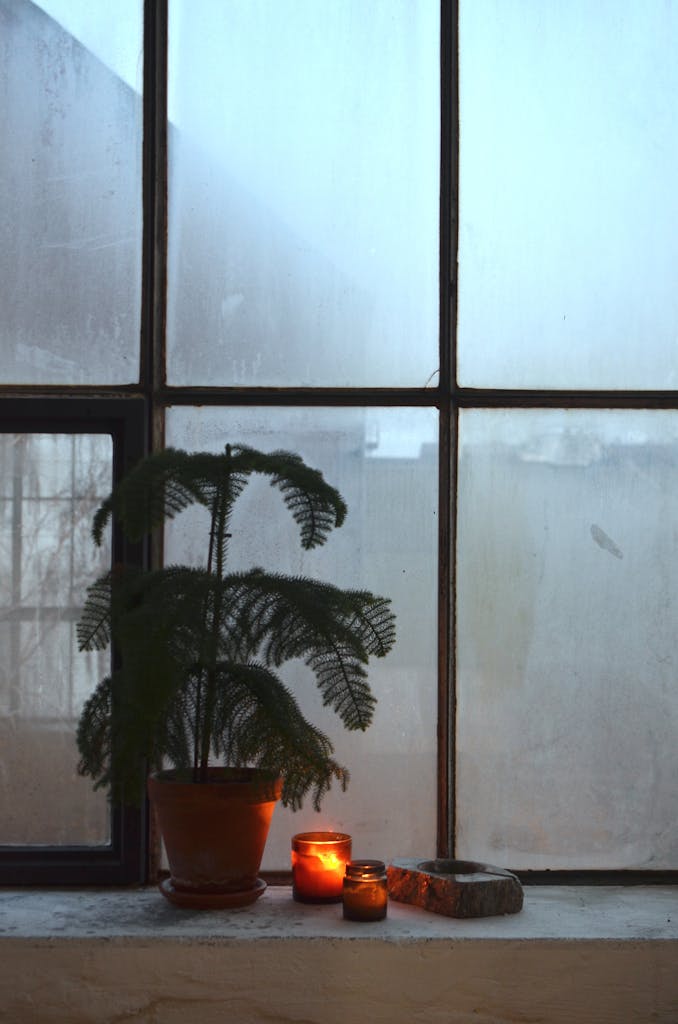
(50, 486)
(384, 462)
(567, 704)
(70, 192)
(304, 190)
(568, 240)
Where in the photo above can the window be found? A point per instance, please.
(266, 222)
(58, 458)
(567, 709)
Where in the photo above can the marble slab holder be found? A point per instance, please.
(455, 888)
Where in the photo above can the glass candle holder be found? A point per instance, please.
(365, 891)
(319, 862)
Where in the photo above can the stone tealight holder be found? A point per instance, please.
(456, 888)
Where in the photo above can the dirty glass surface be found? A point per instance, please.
(384, 462)
(303, 197)
(567, 705)
(70, 192)
(50, 486)
(568, 219)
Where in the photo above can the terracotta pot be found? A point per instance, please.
(214, 833)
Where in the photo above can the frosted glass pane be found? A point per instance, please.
(304, 165)
(52, 484)
(568, 200)
(567, 732)
(70, 192)
(384, 462)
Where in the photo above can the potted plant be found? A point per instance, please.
(194, 681)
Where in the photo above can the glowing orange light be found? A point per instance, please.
(318, 866)
(331, 862)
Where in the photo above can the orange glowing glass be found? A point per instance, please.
(319, 862)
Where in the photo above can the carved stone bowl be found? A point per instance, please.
(456, 888)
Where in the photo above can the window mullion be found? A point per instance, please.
(152, 369)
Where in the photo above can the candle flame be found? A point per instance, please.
(330, 861)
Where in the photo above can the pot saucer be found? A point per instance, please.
(211, 900)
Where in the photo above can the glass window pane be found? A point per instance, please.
(304, 165)
(567, 732)
(51, 486)
(384, 462)
(568, 202)
(70, 192)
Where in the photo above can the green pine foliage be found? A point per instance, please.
(197, 648)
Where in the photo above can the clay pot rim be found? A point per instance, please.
(221, 780)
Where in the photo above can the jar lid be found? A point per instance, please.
(365, 869)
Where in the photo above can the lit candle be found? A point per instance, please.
(319, 862)
(365, 890)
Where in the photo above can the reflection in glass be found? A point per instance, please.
(70, 192)
(51, 486)
(567, 731)
(384, 462)
(304, 165)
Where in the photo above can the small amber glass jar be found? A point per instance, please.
(319, 861)
(365, 892)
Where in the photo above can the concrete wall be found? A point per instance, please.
(340, 982)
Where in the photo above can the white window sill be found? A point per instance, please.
(573, 955)
(623, 913)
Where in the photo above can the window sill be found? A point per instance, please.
(584, 913)
(573, 954)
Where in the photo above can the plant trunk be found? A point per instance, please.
(207, 693)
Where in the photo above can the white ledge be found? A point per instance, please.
(550, 913)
